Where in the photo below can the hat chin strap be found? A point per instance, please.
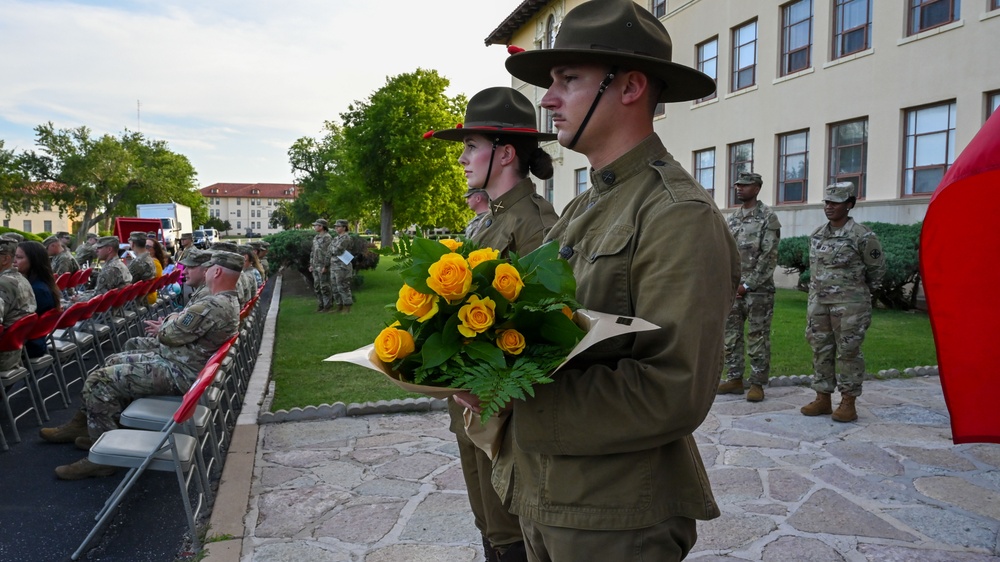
(600, 92)
(489, 169)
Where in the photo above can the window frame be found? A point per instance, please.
(786, 30)
(46, 226)
(698, 53)
(783, 157)
(578, 174)
(839, 7)
(949, 148)
(735, 168)
(914, 11)
(549, 40)
(654, 4)
(994, 5)
(992, 99)
(698, 169)
(734, 58)
(833, 159)
(26, 223)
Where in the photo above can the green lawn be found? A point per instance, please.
(896, 340)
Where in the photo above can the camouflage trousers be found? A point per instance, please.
(836, 332)
(756, 310)
(143, 343)
(125, 377)
(340, 275)
(321, 285)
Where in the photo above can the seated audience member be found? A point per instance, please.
(32, 261)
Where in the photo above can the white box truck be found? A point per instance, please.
(176, 220)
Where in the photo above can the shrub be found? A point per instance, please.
(365, 256)
(900, 248)
(294, 248)
(27, 235)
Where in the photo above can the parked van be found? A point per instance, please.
(204, 238)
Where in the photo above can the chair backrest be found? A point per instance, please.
(13, 337)
(85, 275)
(105, 301)
(220, 354)
(193, 395)
(62, 281)
(45, 324)
(76, 278)
(175, 275)
(72, 315)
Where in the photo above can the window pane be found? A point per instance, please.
(931, 149)
(709, 68)
(746, 55)
(798, 11)
(799, 36)
(931, 119)
(849, 160)
(747, 33)
(795, 167)
(927, 180)
(710, 50)
(855, 13)
(793, 192)
(795, 143)
(745, 78)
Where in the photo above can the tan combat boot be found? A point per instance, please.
(821, 405)
(845, 412)
(83, 468)
(733, 386)
(756, 393)
(68, 432)
(346, 309)
(84, 443)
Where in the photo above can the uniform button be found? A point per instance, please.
(608, 177)
(565, 252)
(659, 163)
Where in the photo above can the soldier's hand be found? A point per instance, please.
(740, 291)
(310, 269)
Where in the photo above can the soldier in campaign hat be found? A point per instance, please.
(757, 232)
(501, 147)
(605, 461)
(846, 266)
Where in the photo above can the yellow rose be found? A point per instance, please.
(476, 316)
(510, 341)
(479, 256)
(508, 281)
(451, 243)
(568, 312)
(450, 277)
(414, 303)
(392, 344)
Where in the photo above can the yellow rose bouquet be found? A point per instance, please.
(468, 319)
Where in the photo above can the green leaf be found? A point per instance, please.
(482, 351)
(437, 350)
(560, 330)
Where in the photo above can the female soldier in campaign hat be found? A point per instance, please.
(501, 147)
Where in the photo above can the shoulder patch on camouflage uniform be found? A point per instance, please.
(875, 253)
(187, 320)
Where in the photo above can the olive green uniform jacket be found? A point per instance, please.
(607, 445)
(518, 220)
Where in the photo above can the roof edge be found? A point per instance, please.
(525, 11)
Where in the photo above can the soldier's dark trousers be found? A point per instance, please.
(493, 520)
(665, 542)
(836, 332)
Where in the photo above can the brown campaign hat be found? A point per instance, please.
(497, 111)
(616, 33)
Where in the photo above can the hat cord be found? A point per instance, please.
(600, 92)
(489, 169)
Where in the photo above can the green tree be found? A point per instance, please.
(411, 179)
(217, 224)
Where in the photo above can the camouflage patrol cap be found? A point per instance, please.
(137, 237)
(228, 260)
(51, 240)
(265, 244)
(105, 241)
(472, 191)
(224, 246)
(7, 246)
(255, 245)
(321, 222)
(13, 236)
(92, 236)
(194, 257)
(244, 249)
(63, 235)
(749, 178)
(839, 192)
(187, 236)
(341, 222)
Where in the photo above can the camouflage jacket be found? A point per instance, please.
(113, 275)
(142, 267)
(64, 262)
(86, 253)
(757, 232)
(246, 288)
(200, 292)
(518, 220)
(341, 243)
(320, 258)
(476, 224)
(845, 265)
(190, 338)
(17, 300)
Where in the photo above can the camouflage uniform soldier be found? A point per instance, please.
(113, 274)
(61, 260)
(87, 252)
(757, 230)
(258, 249)
(846, 265)
(340, 272)
(250, 266)
(13, 236)
(196, 263)
(479, 201)
(262, 255)
(319, 263)
(141, 267)
(17, 300)
(185, 344)
(244, 286)
(187, 242)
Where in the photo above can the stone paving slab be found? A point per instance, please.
(388, 487)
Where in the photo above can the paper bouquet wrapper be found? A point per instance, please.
(598, 326)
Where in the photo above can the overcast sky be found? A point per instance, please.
(228, 83)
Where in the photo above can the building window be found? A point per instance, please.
(47, 226)
(796, 36)
(852, 26)
(547, 125)
(658, 7)
(995, 4)
(744, 56)
(704, 169)
(239, 224)
(740, 160)
(849, 154)
(238, 213)
(270, 212)
(581, 180)
(793, 167)
(550, 33)
(6, 223)
(660, 110)
(218, 201)
(27, 226)
(46, 206)
(238, 200)
(708, 59)
(550, 188)
(927, 14)
(929, 148)
(253, 202)
(992, 100)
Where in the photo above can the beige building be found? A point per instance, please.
(883, 94)
(247, 206)
(45, 220)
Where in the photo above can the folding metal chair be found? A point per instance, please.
(44, 366)
(163, 450)
(12, 340)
